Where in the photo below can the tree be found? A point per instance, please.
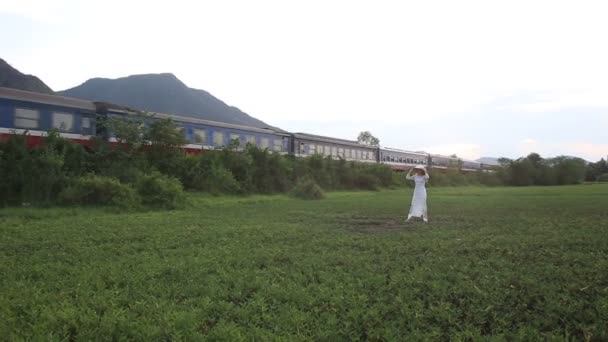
(595, 170)
(368, 139)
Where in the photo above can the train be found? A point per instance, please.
(34, 114)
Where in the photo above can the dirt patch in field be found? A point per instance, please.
(375, 224)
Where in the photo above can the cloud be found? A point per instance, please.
(591, 152)
(528, 146)
(555, 100)
(547, 149)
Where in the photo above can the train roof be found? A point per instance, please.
(331, 140)
(22, 95)
(457, 158)
(187, 119)
(390, 149)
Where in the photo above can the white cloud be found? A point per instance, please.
(591, 152)
(547, 149)
(552, 101)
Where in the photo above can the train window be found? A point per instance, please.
(358, 154)
(341, 152)
(235, 137)
(334, 151)
(278, 145)
(326, 150)
(85, 123)
(320, 149)
(26, 118)
(200, 136)
(63, 121)
(264, 143)
(311, 149)
(218, 138)
(250, 139)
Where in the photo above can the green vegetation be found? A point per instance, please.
(150, 163)
(306, 188)
(150, 170)
(535, 170)
(526, 263)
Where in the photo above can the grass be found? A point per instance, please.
(508, 263)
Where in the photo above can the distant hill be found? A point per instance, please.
(163, 93)
(488, 160)
(13, 78)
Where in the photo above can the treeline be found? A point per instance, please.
(535, 170)
(147, 168)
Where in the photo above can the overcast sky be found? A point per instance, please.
(475, 78)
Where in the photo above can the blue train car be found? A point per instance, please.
(308, 145)
(36, 114)
(402, 160)
(208, 135)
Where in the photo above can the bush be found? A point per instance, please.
(99, 190)
(366, 181)
(490, 179)
(439, 179)
(603, 178)
(308, 189)
(211, 175)
(160, 191)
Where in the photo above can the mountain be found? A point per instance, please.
(162, 93)
(12, 78)
(488, 160)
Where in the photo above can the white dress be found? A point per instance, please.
(418, 208)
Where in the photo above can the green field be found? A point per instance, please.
(511, 263)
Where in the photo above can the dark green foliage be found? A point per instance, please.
(14, 160)
(366, 181)
(270, 172)
(37, 175)
(595, 170)
(534, 170)
(160, 191)
(99, 190)
(603, 178)
(240, 165)
(307, 189)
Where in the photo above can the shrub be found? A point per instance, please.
(211, 175)
(308, 189)
(160, 191)
(603, 178)
(14, 157)
(383, 174)
(490, 179)
(366, 181)
(99, 190)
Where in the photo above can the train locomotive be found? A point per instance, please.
(75, 119)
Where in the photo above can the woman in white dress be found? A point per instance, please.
(418, 208)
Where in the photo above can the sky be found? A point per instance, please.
(474, 78)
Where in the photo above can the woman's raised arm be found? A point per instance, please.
(409, 175)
